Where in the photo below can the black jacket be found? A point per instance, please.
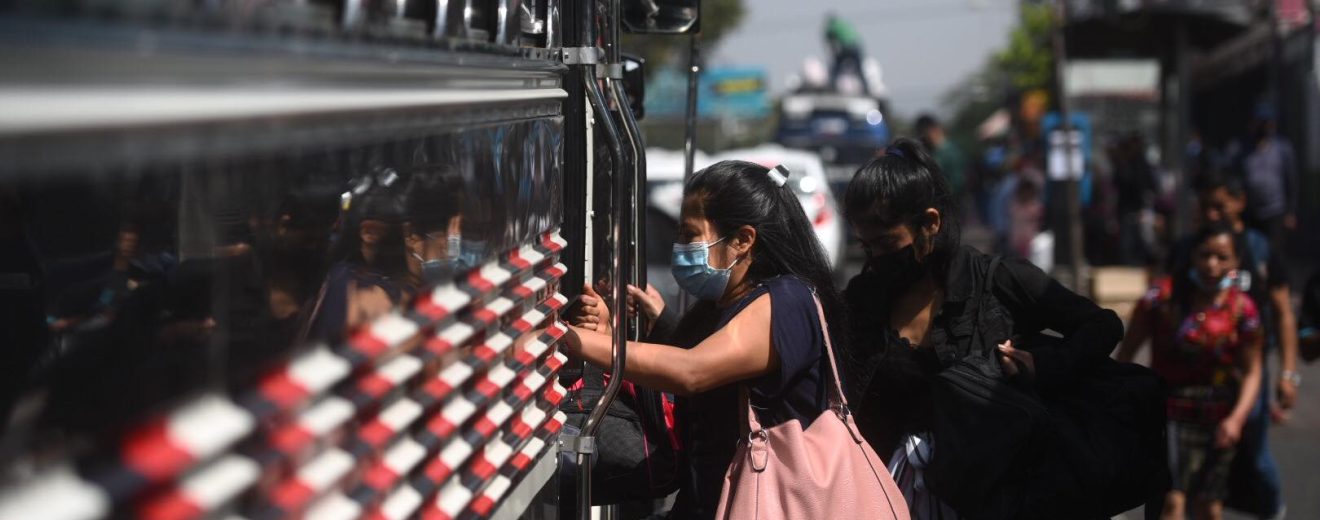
(889, 383)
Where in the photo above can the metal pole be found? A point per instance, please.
(690, 134)
(1072, 184)
(621, 190)
(635, 165)
(634, 134)
(690, 119)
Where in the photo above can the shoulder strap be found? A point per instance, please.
(986, 290)
(837, 399)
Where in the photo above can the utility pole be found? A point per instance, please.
(1076, 262)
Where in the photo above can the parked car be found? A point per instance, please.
(842, 128)
(665, 198)
(809, 182)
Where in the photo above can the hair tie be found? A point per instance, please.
(778, 175)
(891, 150)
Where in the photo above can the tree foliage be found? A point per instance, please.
(1028, 61)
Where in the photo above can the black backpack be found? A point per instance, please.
(1092, 449)
(636, 456)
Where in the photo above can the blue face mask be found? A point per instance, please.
(472, 253)
(692, 270)
(1224, 282)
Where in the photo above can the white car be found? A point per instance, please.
(812, 187)
(808, 181)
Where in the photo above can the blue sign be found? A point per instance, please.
(722, 92)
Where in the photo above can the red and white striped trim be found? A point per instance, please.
(55, 494)
(489, 277)
(389, 377)
(448, 380)
(496, 380)
(485, 502)
(194, 432)
(556, 271)
(400, 505)
(450, 459)
(335, 506)
(553, 242)
(313, 480)
(494, 311)
(451, 501)
(532, 350)
(399, 460)
(444, 424)
(444, 301)
(454, 335)
(495, 417)
(528, 422)
(202, 492)
(385, 335)
(316, 424)
(530, 287)
(390, 422)
(526, 257)
(487, 463)
(308, 375)
(524, 458)
(556, 423)
(492, 348)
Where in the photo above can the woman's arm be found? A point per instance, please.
(1281, 296)
(1138, 332)
(1230, 429)
(741, 350)
(1038, 302)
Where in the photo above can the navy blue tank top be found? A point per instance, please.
(708, 422)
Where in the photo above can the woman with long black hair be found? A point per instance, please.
(915, 309)
(747, 252)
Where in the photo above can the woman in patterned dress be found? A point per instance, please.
(1205, 337)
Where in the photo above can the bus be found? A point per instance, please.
(307, 258)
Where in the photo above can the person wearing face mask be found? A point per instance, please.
(749, 255)
(914, 307)
(1206, 336)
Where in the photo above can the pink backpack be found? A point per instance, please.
(824, 472)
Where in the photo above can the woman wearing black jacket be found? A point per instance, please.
(914, 307)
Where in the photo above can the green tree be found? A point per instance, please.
(1028, 61)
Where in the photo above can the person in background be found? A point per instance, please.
(1135, 186)
(1205, 335)
(846, 46)
(914, 303)
(749, 255)
(947, 155)
(1271, 177)
(1223, 200)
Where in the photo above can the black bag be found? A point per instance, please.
(635, 458)
(1092, 449)
(1107, 433)
(984, 427)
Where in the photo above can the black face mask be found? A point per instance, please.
(897, 270)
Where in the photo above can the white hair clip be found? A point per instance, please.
(779, 175)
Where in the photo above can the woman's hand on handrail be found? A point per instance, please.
(649, 302)
(592, 314)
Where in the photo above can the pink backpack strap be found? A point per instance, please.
(837, 400)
